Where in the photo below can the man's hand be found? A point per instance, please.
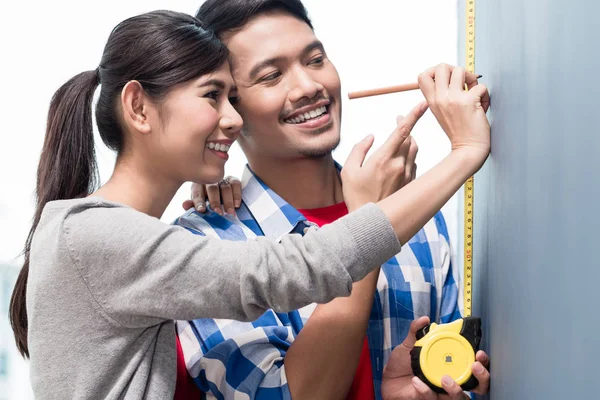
(224, 195)
(399, 383)
(407, 155)
(390, 168)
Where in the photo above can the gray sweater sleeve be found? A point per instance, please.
(141, 271)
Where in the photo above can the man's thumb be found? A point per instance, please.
(359, 152)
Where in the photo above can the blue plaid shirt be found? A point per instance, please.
(237, 360)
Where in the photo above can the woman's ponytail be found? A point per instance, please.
(67, 170)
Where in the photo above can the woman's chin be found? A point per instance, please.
(210, 175)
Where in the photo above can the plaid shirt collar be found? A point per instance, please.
(275, 216)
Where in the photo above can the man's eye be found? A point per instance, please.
(271, 77)
(317, 60)
(212, 95)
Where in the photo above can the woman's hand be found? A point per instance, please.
(223, 196)
(460, 113)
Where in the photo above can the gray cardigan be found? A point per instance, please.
(106, 283)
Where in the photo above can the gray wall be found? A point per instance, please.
(537, 267)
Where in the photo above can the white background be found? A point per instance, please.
(43, 44)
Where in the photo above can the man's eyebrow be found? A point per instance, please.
(272, 61)
(316, 45)
(263, 64)
(218, 83)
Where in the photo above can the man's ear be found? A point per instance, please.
(135, 107)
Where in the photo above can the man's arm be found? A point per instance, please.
(322, 361)
(232, 359)
(226, 358)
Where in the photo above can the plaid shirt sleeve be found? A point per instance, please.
(451, 296)
(419, 281)
(237, 360)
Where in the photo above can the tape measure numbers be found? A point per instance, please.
(449, 349)
(469, 188)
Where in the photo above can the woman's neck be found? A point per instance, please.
(143, 190)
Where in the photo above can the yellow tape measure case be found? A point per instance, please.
(447, 349)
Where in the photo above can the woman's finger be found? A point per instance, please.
(199, 197)
(214, 197)
(227, 196)
(442, 80)
(236, 186)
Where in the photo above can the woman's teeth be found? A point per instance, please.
(307, 116)
(218, 147)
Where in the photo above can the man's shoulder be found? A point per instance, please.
(212, 224)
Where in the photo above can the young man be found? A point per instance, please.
(291, 105)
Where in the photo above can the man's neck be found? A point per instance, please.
(304, 183)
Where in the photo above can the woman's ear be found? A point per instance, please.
(135, 107)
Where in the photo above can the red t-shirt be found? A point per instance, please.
(185, 388)
(362, 385)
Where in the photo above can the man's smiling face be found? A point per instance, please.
(289, 90)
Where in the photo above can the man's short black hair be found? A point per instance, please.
(222, 16)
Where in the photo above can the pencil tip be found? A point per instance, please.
(479, 76)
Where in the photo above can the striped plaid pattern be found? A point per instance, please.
(245, 360)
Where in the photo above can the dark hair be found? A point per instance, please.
(159, 50)
(221, 16)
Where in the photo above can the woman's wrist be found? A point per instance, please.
(471, 158)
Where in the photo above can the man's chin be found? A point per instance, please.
(320, 152)
(314, 154)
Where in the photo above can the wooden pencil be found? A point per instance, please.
(386, 90)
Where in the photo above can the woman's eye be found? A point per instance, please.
(214, 95)
(233, 100)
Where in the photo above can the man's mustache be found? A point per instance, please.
(304, 103)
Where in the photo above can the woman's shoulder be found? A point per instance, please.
(93, 219)
(74, 206)
(91, 210)
(94, 231)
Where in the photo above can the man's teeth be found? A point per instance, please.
(307, 115)
(218, 147)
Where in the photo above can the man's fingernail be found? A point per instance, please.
(238, 204)
(200, 207)
(218, 210)
(424, 106)
(478, 368)
(446, 380)
(231, 211)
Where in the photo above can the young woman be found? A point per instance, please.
(104, 278)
